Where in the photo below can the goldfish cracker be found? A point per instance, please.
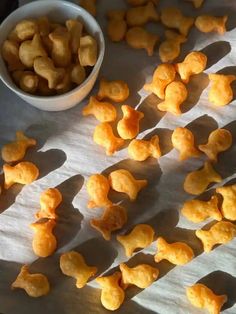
(177, 253)
(44, 242)
(50, 199)
(196, 182)
(43, 25)
(128, 126)
(45, 68)
(202, 297)
(117, 91)
(123, 181)
(10, 53)
(141, 15)
(139, 238)
(73, 264)
(66, 84)
(31, 49)
(61, 52)
(175, 94)
(208, 23)
(15, 151)
(139, 38)
(142, 276)
(169, 49)
(141, 2)
(228, 207)
(113, 218)
(194, 63)
(102, 111)
(89, 5)
(183, 140)
(221, 232)
(78, 74)
(221, 93)
(26, 80)
(103, 135)
(117, 26)
(88, 51)
(219, 141)
(197, 3)
(112, 295)
(35, 285)
(23, 173)
(172, 17)
(198, 211)
(29, 82)
(26, 29)
(163, 76)
(98, 187)
(75, 30)
(140, 150)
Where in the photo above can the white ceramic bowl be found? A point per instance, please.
(58, 11)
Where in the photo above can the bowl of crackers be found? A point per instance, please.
(51, 53)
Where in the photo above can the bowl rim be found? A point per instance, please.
(96, 67)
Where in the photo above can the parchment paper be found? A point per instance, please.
(67, 156)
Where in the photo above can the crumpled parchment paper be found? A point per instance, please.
(67, 156)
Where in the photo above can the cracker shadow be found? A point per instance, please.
(228, 70)
(50, 267)
(47, 161)
(201, 128)
(164, 137)
(196, 86)
(164, 222)
(216, 51)
(8, 197)
(151, 114)
(207, 195)
(41, 132)
(69, 217)
(227, 284)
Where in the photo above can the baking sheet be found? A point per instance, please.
(67, 156)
